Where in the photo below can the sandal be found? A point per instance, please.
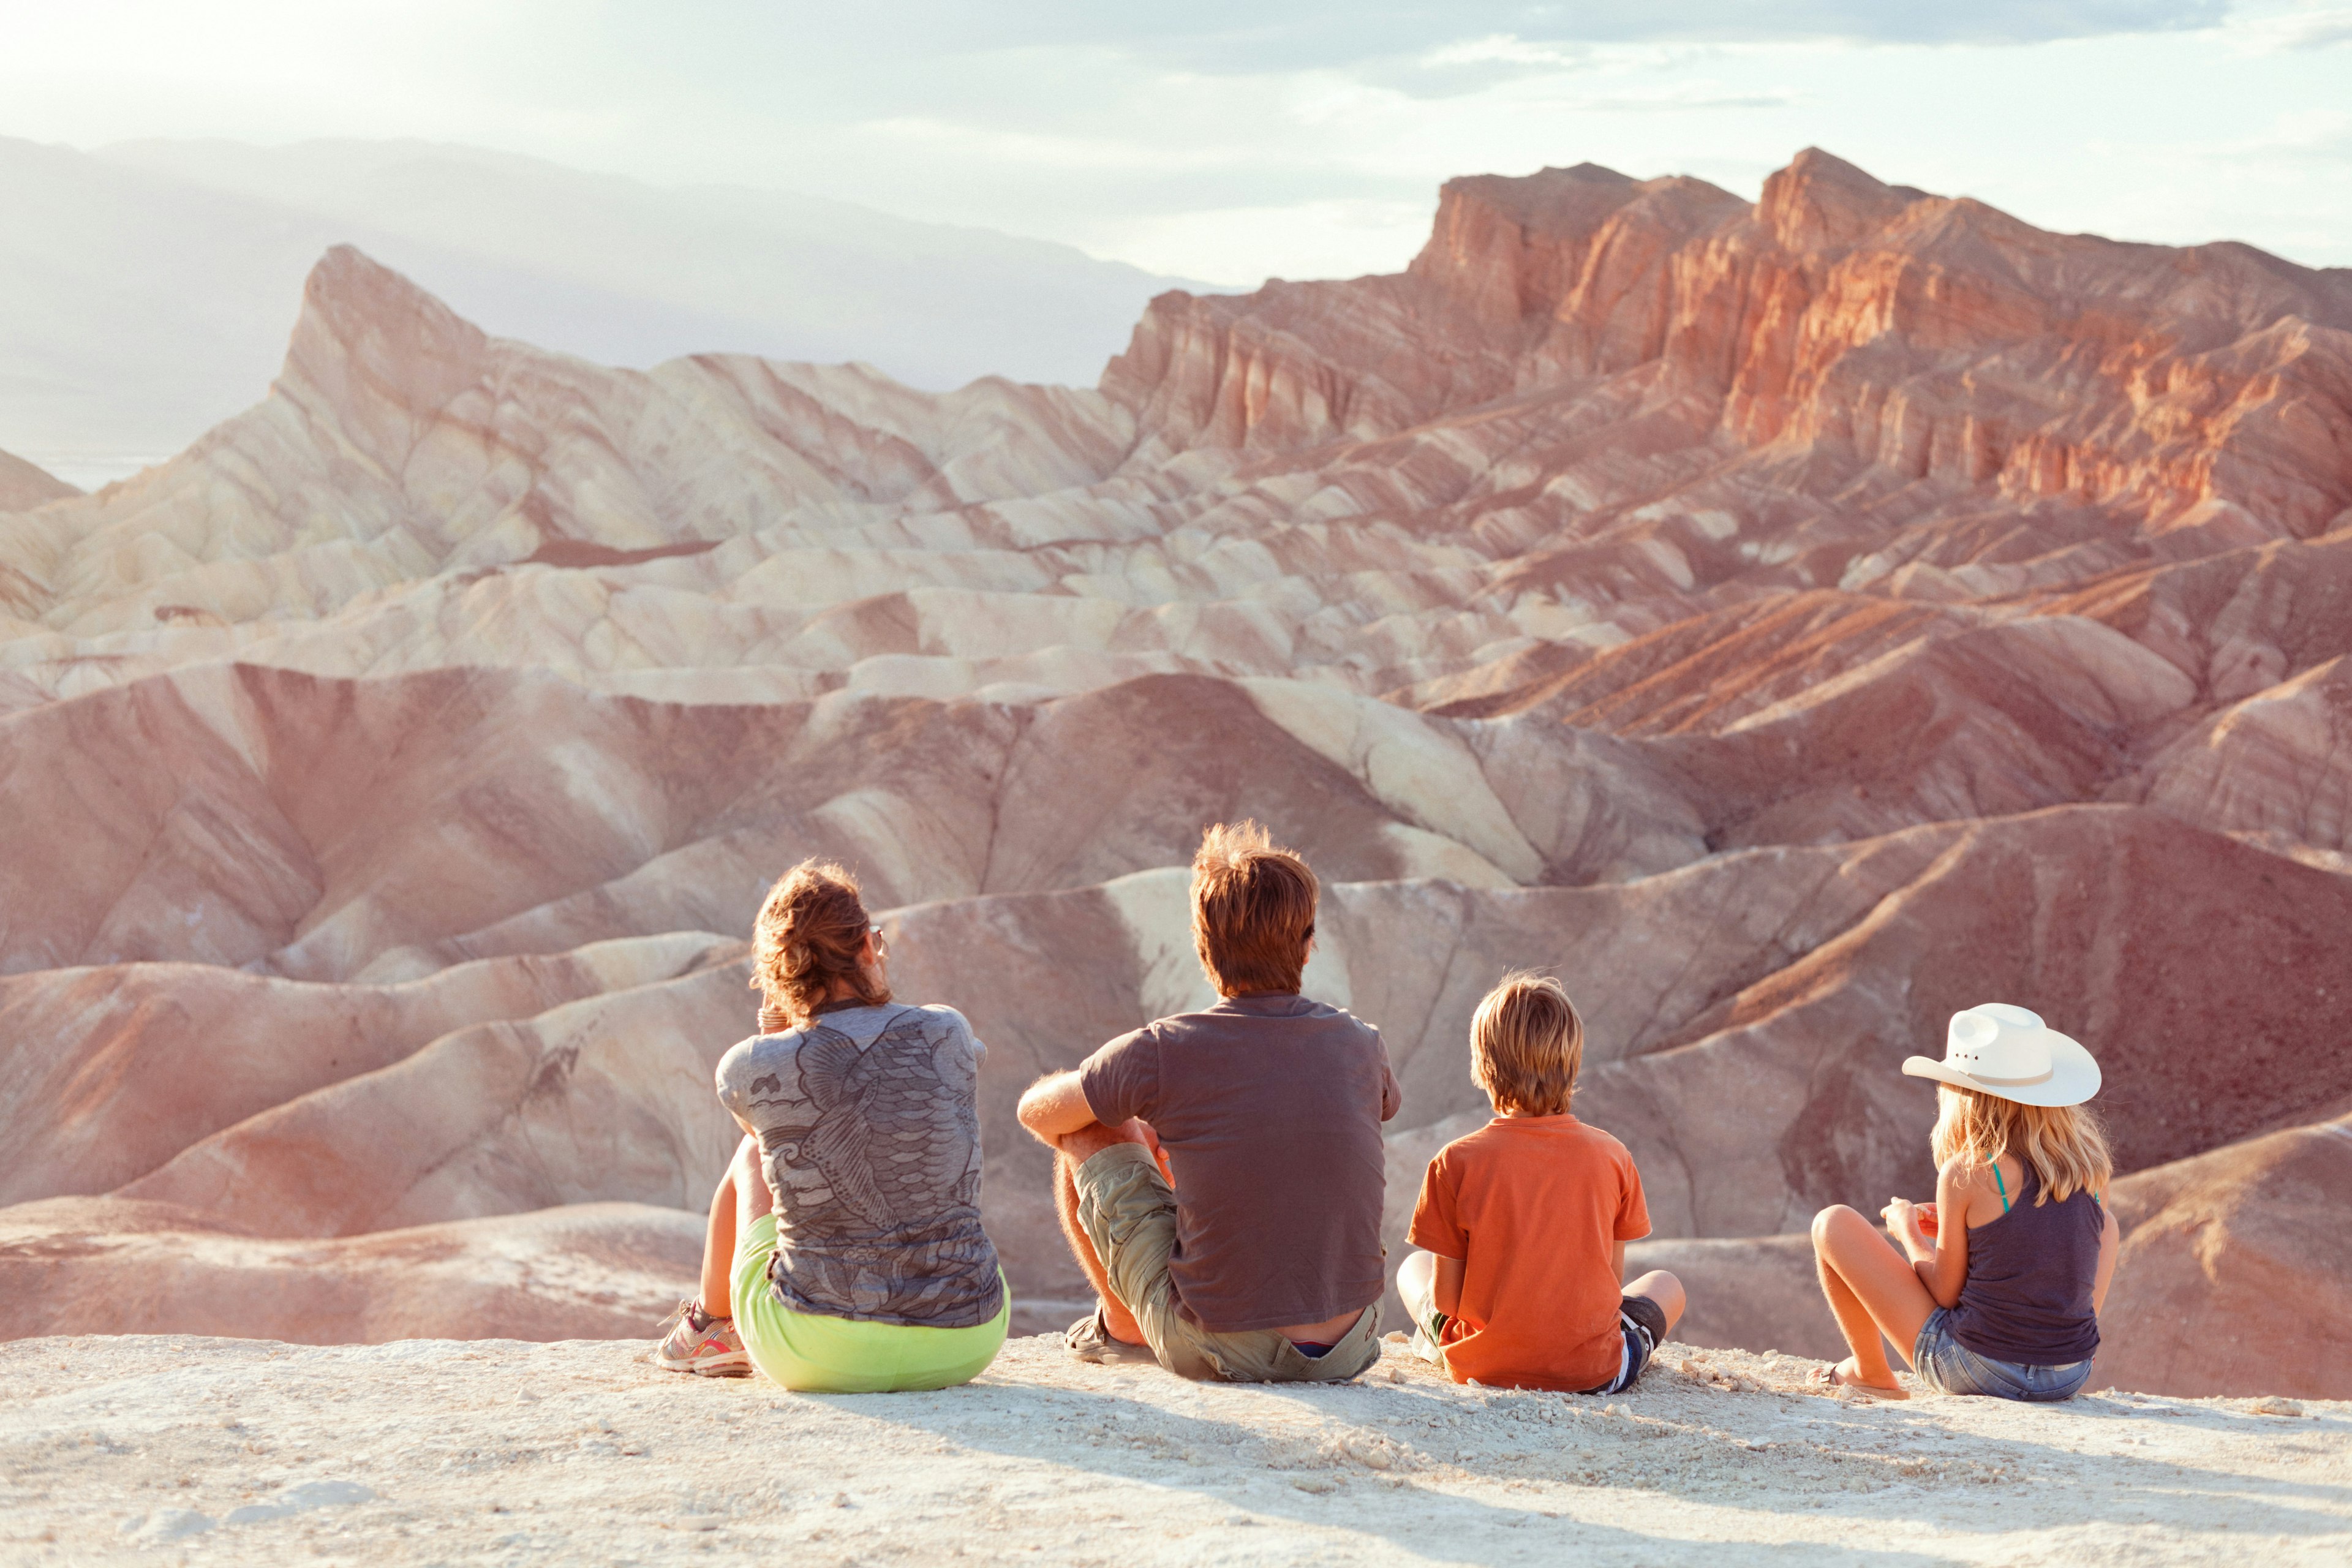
(1089, 1338)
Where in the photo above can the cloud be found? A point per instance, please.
(2294, 31)
(1228, 37)
(2312, 136)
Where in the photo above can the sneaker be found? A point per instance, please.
(1089, 1338)
(1424, 1342)
(702, 1344)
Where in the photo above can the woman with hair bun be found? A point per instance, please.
(846, 1253)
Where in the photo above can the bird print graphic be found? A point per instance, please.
(874, 1152)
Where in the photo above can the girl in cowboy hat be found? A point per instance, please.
(1998, 1287)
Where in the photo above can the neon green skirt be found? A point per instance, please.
(810, 1353)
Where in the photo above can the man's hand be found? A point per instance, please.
(1094, 1138)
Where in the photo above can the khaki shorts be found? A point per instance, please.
(1130, 1215)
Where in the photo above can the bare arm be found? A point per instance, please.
(1054, 1106)
(1391, 1097)
(1941, 1261)
(2111, 1238)
(1449, 1285)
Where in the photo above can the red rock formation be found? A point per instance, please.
(1790, 622)
(2237, 1268)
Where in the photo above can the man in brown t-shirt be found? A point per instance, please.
(1253, 1253)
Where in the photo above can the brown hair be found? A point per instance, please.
(806, 939)
(1527, 1044)
(2063, 1143)
(1253, 910)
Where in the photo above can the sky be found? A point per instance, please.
(1232, 140)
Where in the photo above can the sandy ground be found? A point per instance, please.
(158, 1450)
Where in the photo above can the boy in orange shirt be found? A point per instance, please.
(1523, 1224)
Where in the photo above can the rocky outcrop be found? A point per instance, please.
(2237, 1264)
(590, 1271)
(1789, 621)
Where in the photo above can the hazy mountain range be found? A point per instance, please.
(144, 287)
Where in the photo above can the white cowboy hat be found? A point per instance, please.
(2009, 1053)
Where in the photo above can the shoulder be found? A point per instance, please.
(741, 1050)
(1607, 1143)
(940, 1015)
(746, 1058)
(1331, 1013)
(1153, 1033)
(1964, 1174)
(1124, 1059)
(1482, 1145)
(949, 1030)
(1572, 1134)
(1170, 1030)
(1334, 1026)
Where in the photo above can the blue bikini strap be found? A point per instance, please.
(2003, 1186)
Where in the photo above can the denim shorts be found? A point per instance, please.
(1948, 1366)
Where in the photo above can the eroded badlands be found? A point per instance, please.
(1789, 621)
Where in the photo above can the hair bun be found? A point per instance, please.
(808, 938)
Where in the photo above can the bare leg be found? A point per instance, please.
(1076, 1150)
(1116, 1316)
(1872, 1290)
(1664, 1290)
(719, 1241)
(1416, 1285)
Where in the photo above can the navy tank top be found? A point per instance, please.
(2027, 1297)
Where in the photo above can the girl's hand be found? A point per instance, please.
(1926, 1212)
(1902, 1218)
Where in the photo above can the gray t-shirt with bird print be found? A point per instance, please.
(868, 1122)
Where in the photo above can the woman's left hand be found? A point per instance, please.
(1902, 1218)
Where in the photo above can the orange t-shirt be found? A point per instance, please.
(1531, 1206)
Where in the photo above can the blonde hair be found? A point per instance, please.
(2063, 1143)
(1527, 1044)
(808, 936)
(1253, 910)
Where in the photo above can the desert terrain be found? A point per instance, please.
(1788, 621)
(199, 1452)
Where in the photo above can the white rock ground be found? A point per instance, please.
(165, 1450)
